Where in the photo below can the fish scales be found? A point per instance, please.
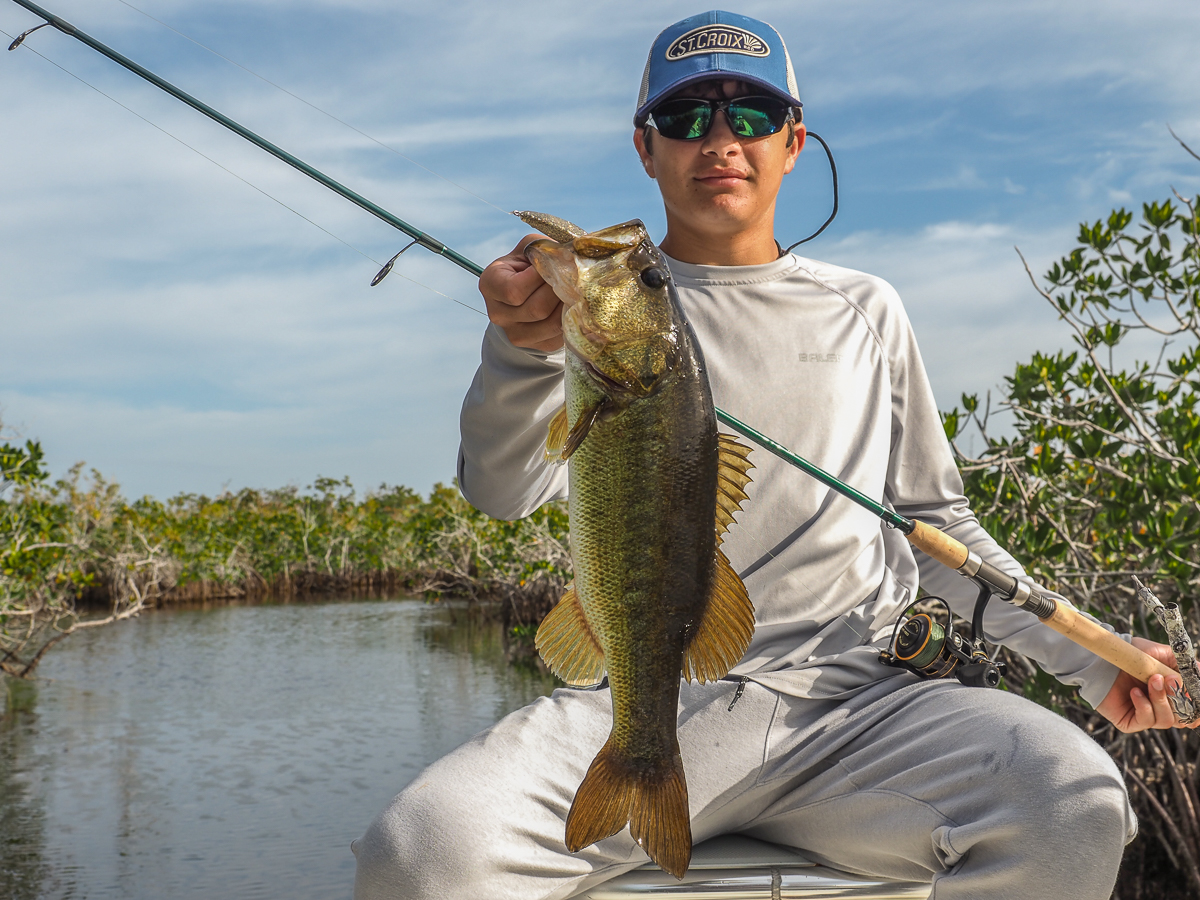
(643, 542)
(652, 597)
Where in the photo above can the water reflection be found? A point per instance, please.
(236, 751)
(22, 820)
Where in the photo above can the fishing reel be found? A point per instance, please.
(931, 649)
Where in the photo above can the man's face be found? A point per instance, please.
(720, 185)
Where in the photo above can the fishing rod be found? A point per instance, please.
(1062, 618)
(418, 236)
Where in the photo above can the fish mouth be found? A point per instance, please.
(559, 262)
(611, 319)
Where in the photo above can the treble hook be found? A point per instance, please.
(24, 34)
(387, 266)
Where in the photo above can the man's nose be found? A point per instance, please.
(720, 138)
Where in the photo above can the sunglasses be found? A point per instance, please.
(690, 118)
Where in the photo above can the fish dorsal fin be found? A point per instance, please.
(552, 226)
(568, 645)
(725, 629)
(733, 467)
(556, 440)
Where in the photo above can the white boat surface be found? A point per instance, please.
(735, 867)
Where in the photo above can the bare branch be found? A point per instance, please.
(1134, 419)
(1182, 144)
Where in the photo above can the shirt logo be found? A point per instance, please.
(717, 39)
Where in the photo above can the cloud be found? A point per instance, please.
(965, 179)
(180, 330)
(965, 231)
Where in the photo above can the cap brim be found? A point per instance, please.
(639, 117)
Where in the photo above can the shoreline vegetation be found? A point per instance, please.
(74, 554)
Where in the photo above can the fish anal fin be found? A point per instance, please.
(568, 645)
(653, 801)
(725, 629)
(556, 439)
(733, 474)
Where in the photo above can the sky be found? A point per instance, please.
(176, 322)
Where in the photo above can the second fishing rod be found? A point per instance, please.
(1061, 617)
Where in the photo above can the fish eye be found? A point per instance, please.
(653, 277)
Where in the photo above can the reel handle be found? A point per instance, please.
(1066, 620)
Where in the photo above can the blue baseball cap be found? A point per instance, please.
(716, 44)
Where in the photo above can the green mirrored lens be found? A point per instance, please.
(757, 116)
(748, 122)
(683, 121)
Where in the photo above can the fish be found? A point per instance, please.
(653, 488)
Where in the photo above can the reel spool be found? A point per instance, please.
(922, 646)
(930, 649)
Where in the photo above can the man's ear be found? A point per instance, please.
(794, 148)
(639, 141)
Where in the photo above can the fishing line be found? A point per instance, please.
(323, 112)
(237, 176)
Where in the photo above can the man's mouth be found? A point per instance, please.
(723, 177)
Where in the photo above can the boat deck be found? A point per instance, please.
(733, 867)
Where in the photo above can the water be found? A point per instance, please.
(235, 752)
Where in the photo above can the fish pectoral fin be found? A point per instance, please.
(653, 800)
(561, 442)
(733, 468)
(725, 628)
(568, 645)
(556, 440)
(582, 427)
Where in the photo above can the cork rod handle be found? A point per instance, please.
(1066, 620)
(1072, 624)
(939, 545)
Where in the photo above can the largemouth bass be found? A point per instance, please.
(653, 487)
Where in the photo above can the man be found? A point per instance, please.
(862, 767)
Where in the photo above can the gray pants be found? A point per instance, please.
(983, 793)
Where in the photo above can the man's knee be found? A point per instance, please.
(1059, 775)
(1056, 806)
(416, 848)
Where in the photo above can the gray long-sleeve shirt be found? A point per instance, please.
(823, 360)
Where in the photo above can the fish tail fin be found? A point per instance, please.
(654, 803)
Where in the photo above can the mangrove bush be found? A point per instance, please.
(1099, 480)
(75, 554)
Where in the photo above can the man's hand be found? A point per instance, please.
(520, 302)
(1129, 708)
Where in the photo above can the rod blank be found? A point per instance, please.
(320, 177)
